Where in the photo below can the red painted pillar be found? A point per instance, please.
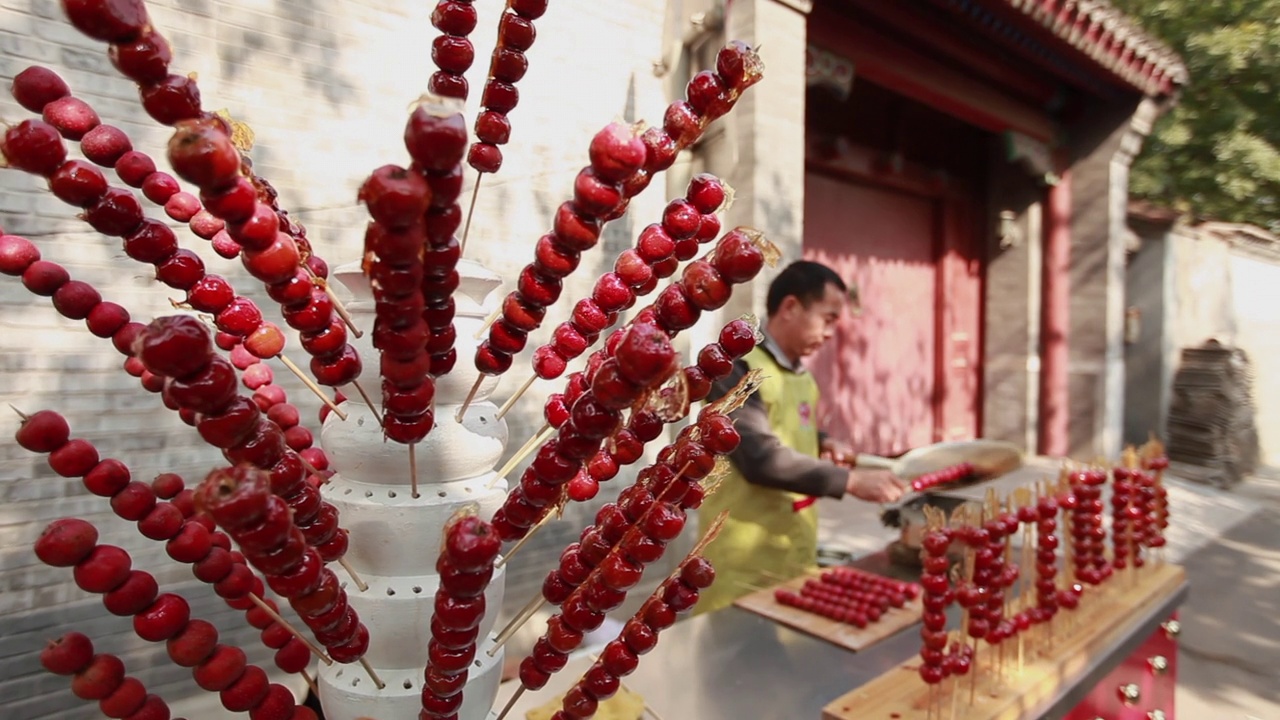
(1055, 311)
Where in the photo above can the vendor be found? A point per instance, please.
(784, 461)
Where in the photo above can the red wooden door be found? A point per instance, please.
(879, 373)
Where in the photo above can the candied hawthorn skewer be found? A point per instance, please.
(139, 52)
(658, 248)
(466, 565)
(436, 138)
(179, 350)
(240, 502)
(674, 596)
(201, 152)
(644, 359)
(507, 65)
(274, 401)
(187, 539)
(40, 90)
(937, 595)
(157, 617)
(394, 242)
(737, 338)
(102, 677)
(615, 159)
(37, 147)
(944, 476)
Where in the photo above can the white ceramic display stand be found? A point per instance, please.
(395, 538)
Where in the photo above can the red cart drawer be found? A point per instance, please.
(1142, 687)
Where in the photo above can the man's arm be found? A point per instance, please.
(764, 460)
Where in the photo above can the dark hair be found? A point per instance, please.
(804, 279)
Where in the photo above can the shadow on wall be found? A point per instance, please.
(299, 33)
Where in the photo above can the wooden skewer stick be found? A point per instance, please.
(262, 605)
(312, 386)
(373, 675)
(511, 401)
(530, 445)
(512, 702)
(413, 469)
(354, 575)
(311, 683)
(524, 540)
(471, 395)
(21, 414)
(364, 394)
(471, 212)
(338, 307)
(520, 619)
(488, 322)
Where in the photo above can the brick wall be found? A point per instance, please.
(325, 86)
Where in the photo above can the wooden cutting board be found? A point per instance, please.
(843, 634)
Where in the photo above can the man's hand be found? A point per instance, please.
(837, 452)
(878, 486)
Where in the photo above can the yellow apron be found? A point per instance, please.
(765, 539)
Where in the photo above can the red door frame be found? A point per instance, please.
(951, 243)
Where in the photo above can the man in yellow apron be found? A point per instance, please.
(783, 462)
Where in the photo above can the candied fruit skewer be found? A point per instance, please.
(101, 677)
(466, 565)
(657, 249)
(241, 503)
(201, 152)
(188, 539)
(614, 532)
(598, 197)
(272, 256)
(206, 399)
(644, 359)
(178, 349)
(107, 146)
(436, 138)
(645, 424)
(157, 617)
(394, 243)
(451, 50)
(577, 228)
(273, 400)
(139, 52)
(507, 65)
(37, 147)
(709, 95)
(676, 595)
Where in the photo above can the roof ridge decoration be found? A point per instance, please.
(1110, 38)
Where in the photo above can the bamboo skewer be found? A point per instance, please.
(312, 386)
(533, 442)
(471, 212)
(471, 395)
(511, 401)
(413, 469)
(368, 401)
(372, 675)
(338, 307)
(315, 650)
(311, 683)
(524, 540)
(520, 619)
(355, 576)
(512, 702)
(488, 322)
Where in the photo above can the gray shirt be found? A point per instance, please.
(761, 457)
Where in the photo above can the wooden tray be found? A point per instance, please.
(1100, 621)
(843, 634)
